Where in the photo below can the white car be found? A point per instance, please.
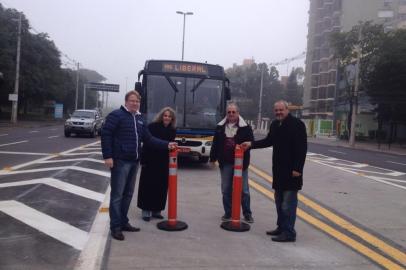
(84, 122)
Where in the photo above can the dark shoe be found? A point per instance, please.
(248, 218)
(129, 228)
(275, 232)
(158, 216)
(226, 218)
(117, 234)
(146, 218)
(283, 238)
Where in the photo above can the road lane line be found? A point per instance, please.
(25, 153)
(346, 240)
(358, 173)
(33, 131)
(1, 135)
(13, 143)
(376, 242)
(53, 227)
(396, 162)
(72, 159)
(77, 190)
(76, 168)
(335, 151)
(16, 167)
(81, 153)
(53, 129)
(50, 137)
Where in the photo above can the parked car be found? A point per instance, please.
(84, 122)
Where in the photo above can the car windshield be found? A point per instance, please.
(83, 114)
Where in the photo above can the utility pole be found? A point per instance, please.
(77, 86)
(14, 109)
(356, 85)
(260, 98)
(84, 96)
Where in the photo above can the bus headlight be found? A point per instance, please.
(208, 143)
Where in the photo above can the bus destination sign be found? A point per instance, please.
(184, 68)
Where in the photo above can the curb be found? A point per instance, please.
(92, 256)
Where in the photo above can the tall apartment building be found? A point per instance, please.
(326, 17)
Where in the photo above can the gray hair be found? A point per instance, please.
(233, 103)
(284, 102)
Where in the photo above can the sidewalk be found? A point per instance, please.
(395, 148)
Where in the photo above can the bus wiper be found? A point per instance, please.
(174, 87)
(193, 90)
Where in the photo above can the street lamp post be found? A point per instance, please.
(184, 23)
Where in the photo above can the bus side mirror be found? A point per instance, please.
(227, 93)
(138, 87)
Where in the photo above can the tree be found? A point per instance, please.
(294, 90)
(386, 80)
(344, 44)
(42, 80)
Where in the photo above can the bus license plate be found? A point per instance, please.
(183, 149)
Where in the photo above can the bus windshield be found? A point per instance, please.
(197, 101)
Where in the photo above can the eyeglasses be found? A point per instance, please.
(232, 112)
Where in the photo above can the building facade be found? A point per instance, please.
(326, 17)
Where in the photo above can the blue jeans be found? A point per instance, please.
(286, 205)
(122, 184)
(227, 173)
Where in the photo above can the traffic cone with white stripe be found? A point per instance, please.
(235, 224)
(172, 224)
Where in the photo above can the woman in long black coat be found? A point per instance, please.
(153, 185)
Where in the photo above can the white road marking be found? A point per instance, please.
(338, 152)
(16, 167)
(72, 159)
(375, 178)
(25, 153)
(90, 148)
(13, 143)
(396, 162)
(1, 135)
(53, 227)
(76, 168)
(50, 137)
(33, 131)
(83, 192)
(78, 154)
(53, 129)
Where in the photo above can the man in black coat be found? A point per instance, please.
(288, 137)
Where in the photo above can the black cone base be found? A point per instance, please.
(178, 226)
(235, 227)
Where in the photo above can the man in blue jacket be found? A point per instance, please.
(123, 132)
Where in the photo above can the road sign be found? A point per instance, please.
(103, 87)
(12, 97)
(58, 113)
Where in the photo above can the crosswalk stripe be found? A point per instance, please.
(80, 191)
(53, 227)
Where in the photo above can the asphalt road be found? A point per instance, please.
(373, 158)
(51, 188)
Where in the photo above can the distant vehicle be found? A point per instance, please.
(198, 93)
(84, 122)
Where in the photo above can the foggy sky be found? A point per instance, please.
(116, 37)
